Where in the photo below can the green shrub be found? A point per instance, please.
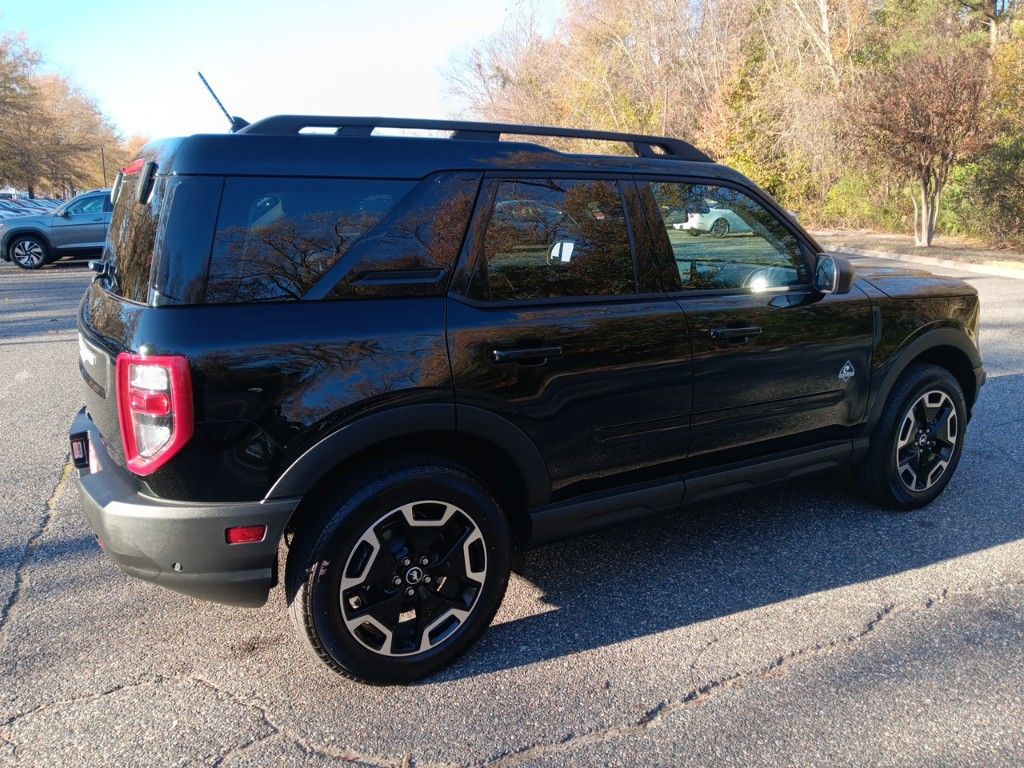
(985, 199)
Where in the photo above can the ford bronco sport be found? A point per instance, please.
(407, 358)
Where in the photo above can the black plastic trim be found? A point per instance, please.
(938, 337)
(357, 436)
(576, 516)
(179, 545)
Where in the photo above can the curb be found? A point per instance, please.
(1015, 272)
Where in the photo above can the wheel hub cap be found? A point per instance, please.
(413, 578)
(926, 440)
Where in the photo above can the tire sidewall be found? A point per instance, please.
(33, 239)
(929, 379)
(343, 531)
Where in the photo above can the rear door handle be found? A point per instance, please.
(535, 355)
(734, 334)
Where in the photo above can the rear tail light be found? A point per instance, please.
(154, 403)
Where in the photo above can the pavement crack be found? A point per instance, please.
(43, 525)
(654, 716)
(15, 718)
(277, 730)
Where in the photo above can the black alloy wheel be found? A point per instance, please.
(394, 576)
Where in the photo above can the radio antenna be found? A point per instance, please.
(237, 123)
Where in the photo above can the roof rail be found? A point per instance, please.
(644, 146)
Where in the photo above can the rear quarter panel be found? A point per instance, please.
(271, 380)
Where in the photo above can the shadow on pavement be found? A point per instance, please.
(706, 562)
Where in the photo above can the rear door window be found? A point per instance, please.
(549, 238)
(277, 237)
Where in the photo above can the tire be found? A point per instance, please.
(902, 467)
(720, 228)
(28, 252)
(427, 524)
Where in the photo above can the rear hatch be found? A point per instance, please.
(113, 306)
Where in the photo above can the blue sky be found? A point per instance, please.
(138, 59)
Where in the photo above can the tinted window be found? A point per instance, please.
(86, 205)
(723, 238)
(128, 252)
(555, 237)
(276, 237)
(412, 250)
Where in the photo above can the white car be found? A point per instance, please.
(719, 222)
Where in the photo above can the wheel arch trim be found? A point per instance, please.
(934, 339)
(409, 420)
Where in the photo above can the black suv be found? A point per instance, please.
(407, 358)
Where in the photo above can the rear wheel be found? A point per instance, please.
(917, 443)
(402, 573)
(720, 228)
(28, 252)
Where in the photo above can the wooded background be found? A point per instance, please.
(54, 140)
(892, 115)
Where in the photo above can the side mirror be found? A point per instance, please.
(63, 213)
(832, 274)
(561, 252)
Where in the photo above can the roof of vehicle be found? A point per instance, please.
(277, 146)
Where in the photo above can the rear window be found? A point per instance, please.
(131, 239)
(277, 237)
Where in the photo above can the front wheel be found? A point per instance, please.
(403, 572)
(720, 228)
(28, 252)
(917, 444)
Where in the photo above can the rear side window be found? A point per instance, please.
(556, 238)
(277, 237)
(128, 253)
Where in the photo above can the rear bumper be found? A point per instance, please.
(179, 545)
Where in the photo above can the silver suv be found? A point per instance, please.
(77, 228)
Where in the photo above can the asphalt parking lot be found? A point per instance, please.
(794, 626)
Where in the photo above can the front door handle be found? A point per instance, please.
(534, 355)
(744, 333)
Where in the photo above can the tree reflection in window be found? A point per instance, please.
(557, 237)
(277, 237)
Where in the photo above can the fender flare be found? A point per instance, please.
(939, 337)
(367, 431)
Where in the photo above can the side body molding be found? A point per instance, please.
(370, 430)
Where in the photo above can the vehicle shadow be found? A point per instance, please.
(761, 548)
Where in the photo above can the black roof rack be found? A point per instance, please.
(644, 146)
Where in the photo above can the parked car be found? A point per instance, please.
(713, 218)
(77, 228)
(410, 358)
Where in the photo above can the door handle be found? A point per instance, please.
(99, 219)
(734, 334)
(535, 355)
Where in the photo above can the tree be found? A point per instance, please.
(921, 116)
